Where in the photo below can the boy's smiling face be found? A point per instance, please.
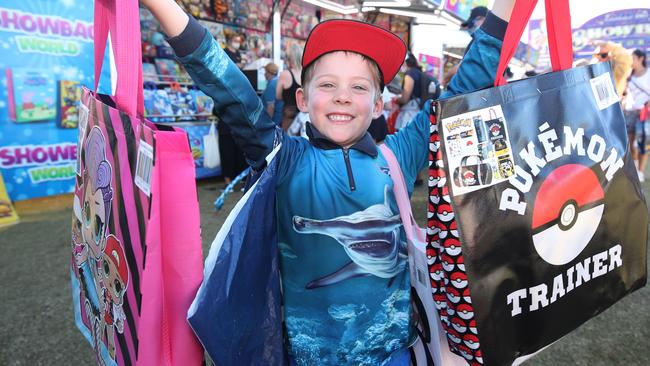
(341, 97)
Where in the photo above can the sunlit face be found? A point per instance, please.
(341, 97)
(93, 225)
(111, 277)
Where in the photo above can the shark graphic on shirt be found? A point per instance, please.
(371, 238)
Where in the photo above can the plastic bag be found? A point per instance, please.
(211, 157)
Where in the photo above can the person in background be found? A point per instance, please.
(273, 105)
(621, 62)
(232, 157)
(409, 101)
(508, 74)
(476, 18)
(288, 83)
(637, 100)
(233, 44)
(378, 129)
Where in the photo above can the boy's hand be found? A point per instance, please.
(503, 9)
(169, 14)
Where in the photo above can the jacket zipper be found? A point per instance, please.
(348, 167)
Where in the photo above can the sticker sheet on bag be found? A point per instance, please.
(478, 149)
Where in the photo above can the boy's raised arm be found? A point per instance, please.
(236, 103)
(478, 68)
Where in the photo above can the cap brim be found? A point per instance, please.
(383, 47)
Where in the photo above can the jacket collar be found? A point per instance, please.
(365, 145)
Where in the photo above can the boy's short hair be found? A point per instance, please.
(377, 77)
(383, 48)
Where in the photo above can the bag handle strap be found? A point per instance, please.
(558, 25)
(122, 19)
(413, 232)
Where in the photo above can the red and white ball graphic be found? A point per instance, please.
(453, 295)
(459, 325)
(459, 280)
(465, 311)
(568, 209)
(472, 326)
(471, 341)
(454, 336)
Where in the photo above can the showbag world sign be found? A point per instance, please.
(46, 34)
(47, 55)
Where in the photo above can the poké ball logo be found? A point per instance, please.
(570, 201)
(568, 209)
(567, 212)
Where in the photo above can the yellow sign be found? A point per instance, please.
(8, 214)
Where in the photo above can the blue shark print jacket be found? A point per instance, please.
(343, 252)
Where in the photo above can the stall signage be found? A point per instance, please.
(47, 55)
(629, 27)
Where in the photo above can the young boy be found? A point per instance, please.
(344, 271)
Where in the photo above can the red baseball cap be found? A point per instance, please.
(378, 44)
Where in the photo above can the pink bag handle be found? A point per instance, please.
(122, 18)
(558, 25)
(413, 232)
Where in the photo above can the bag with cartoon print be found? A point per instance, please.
(136, 248)
(537, 221)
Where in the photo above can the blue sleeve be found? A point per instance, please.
(477, 71)
(479, 65)
(236, 103)
(269, 92)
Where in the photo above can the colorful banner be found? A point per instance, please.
(47, 53)
(462, 8)
(431, 65)
(8, 214)
(629, 27)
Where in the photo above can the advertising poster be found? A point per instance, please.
(47, 54)
(8, 214)
(431, 65)
(462, 8)
(629, 27)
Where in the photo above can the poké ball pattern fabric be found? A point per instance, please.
(449, 285)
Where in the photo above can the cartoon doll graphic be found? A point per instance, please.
(114, 276)
(92, 208)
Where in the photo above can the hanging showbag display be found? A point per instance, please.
(537, 221)
(136, 247)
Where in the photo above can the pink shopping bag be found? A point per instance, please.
(136, 248)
